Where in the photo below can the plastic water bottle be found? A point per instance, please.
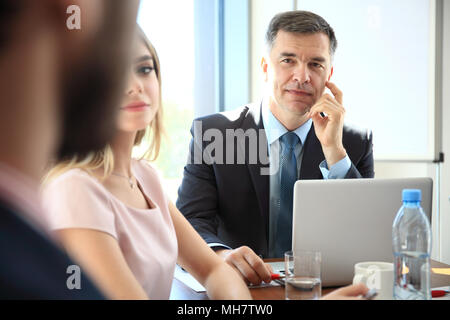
(411, 239)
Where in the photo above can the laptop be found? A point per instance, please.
(350, 221)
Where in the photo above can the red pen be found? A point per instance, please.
(438, 293)
(276, 276)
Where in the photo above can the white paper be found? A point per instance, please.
(188, 280)
(277, 266)
(192, 283)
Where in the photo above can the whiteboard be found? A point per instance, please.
(385, 65)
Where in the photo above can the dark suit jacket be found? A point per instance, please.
(31, 266)
(229, 203)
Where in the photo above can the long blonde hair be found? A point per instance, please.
(105, 158)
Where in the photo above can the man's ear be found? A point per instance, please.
(264, 68)
(331, 73)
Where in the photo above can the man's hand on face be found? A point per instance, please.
(329, 129)
(249, 265)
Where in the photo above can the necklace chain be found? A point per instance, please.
(130, 179)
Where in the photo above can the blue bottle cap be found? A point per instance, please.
(412, 195)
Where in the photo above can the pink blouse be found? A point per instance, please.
(146, 237)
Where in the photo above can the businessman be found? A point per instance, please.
(238, 194)
(59, 90)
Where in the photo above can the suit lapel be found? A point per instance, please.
(312, 157)
(261, 183)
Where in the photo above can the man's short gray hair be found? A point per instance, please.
(300, 22)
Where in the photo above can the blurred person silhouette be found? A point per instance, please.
(59, 90)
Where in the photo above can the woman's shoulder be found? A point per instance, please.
(145, 168)
(73, 176)
(73, 180)
(75, 199)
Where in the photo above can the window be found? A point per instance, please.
(169, 25)
(203, 46)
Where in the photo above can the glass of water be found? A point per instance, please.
(302, 280)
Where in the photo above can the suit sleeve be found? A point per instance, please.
(363, 167)
(197, 195)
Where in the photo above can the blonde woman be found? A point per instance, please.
(111, 214)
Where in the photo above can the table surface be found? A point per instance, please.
(182, 292)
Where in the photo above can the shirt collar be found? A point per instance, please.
(274, 129)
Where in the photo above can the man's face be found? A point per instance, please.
(297, 69)
(93, 74)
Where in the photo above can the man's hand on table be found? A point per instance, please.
(248, 264)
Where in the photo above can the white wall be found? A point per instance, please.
(445, 170)
(261, 13)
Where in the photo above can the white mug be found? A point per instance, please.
(376, 275)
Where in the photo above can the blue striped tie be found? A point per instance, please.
(288, 166)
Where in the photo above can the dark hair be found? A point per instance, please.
(300, 22)
(9, 11)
